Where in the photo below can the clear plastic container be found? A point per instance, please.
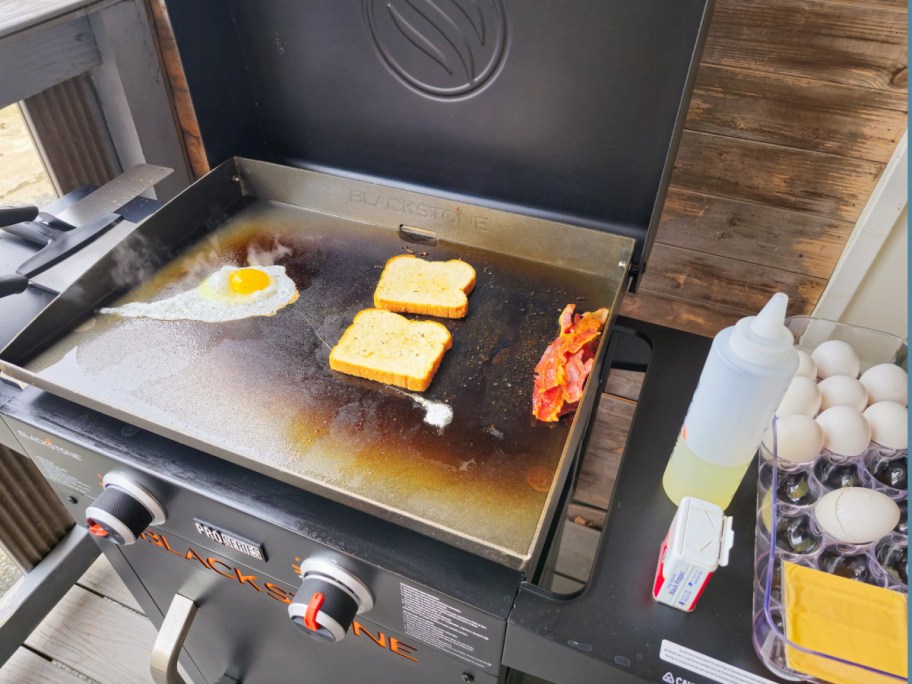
(786, 493)
(747, 371)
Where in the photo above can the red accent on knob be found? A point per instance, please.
(310, 617)
(98, 530)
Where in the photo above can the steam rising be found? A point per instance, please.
(267, 257)
(135, 260)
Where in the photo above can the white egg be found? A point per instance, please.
(886, 382)
(855, 515)
(802, 396)
(835, 357)
(845, 430)
(889, 423)
(842, 390)
(800, 438)
(229, 294)
(807, 367)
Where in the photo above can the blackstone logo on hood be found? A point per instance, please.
(443, 49)
(47, 443)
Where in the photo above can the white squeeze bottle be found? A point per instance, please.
(749, 367)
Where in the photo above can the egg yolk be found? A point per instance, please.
(248, 280)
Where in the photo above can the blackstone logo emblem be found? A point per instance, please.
(47, 443)
(443, 48)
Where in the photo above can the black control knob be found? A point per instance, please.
(328, 600)
(123, 510)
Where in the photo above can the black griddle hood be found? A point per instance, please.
(567, 110)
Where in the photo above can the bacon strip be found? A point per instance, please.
(547, 404)
(566, 363)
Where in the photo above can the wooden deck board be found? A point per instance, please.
(603, 455)
(99, 638)
(25, 667)
(101, 579)
(587, 510)
(624, 384)
(577, 551)
(587, 516)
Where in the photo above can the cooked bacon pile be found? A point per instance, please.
(566, 363)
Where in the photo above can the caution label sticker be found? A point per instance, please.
(717, 670)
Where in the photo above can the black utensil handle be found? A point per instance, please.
(11, 215)
(67, 243)
(12, 284)
(31, 231)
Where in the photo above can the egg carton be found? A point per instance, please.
(787, 528)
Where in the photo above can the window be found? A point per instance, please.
(24, 179)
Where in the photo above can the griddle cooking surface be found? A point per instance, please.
(261, 392)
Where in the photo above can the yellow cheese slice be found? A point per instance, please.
(847, 619)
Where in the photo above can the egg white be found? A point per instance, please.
(213, 301)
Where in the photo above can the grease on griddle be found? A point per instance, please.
(539, 478)
(437, 414)
(260, 246)
(278, 406)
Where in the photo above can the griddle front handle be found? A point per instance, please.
(170, 641)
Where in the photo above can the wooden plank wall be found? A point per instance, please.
(181, 103)
(797, 107)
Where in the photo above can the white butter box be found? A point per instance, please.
(697, 543)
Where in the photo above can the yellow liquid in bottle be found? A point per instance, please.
(689, 475)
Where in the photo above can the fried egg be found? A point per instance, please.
(229, 294)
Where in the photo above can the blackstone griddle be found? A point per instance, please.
(235, 481)
(259, 392)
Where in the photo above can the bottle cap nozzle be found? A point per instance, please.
(768, 323)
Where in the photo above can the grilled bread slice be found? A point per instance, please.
(433, 288)
(386, 347)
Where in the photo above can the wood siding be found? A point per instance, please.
(797, 107)
(177, 82)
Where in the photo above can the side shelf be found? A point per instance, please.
(613, 620)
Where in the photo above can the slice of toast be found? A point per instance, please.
(433, 288)
(386, 347)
